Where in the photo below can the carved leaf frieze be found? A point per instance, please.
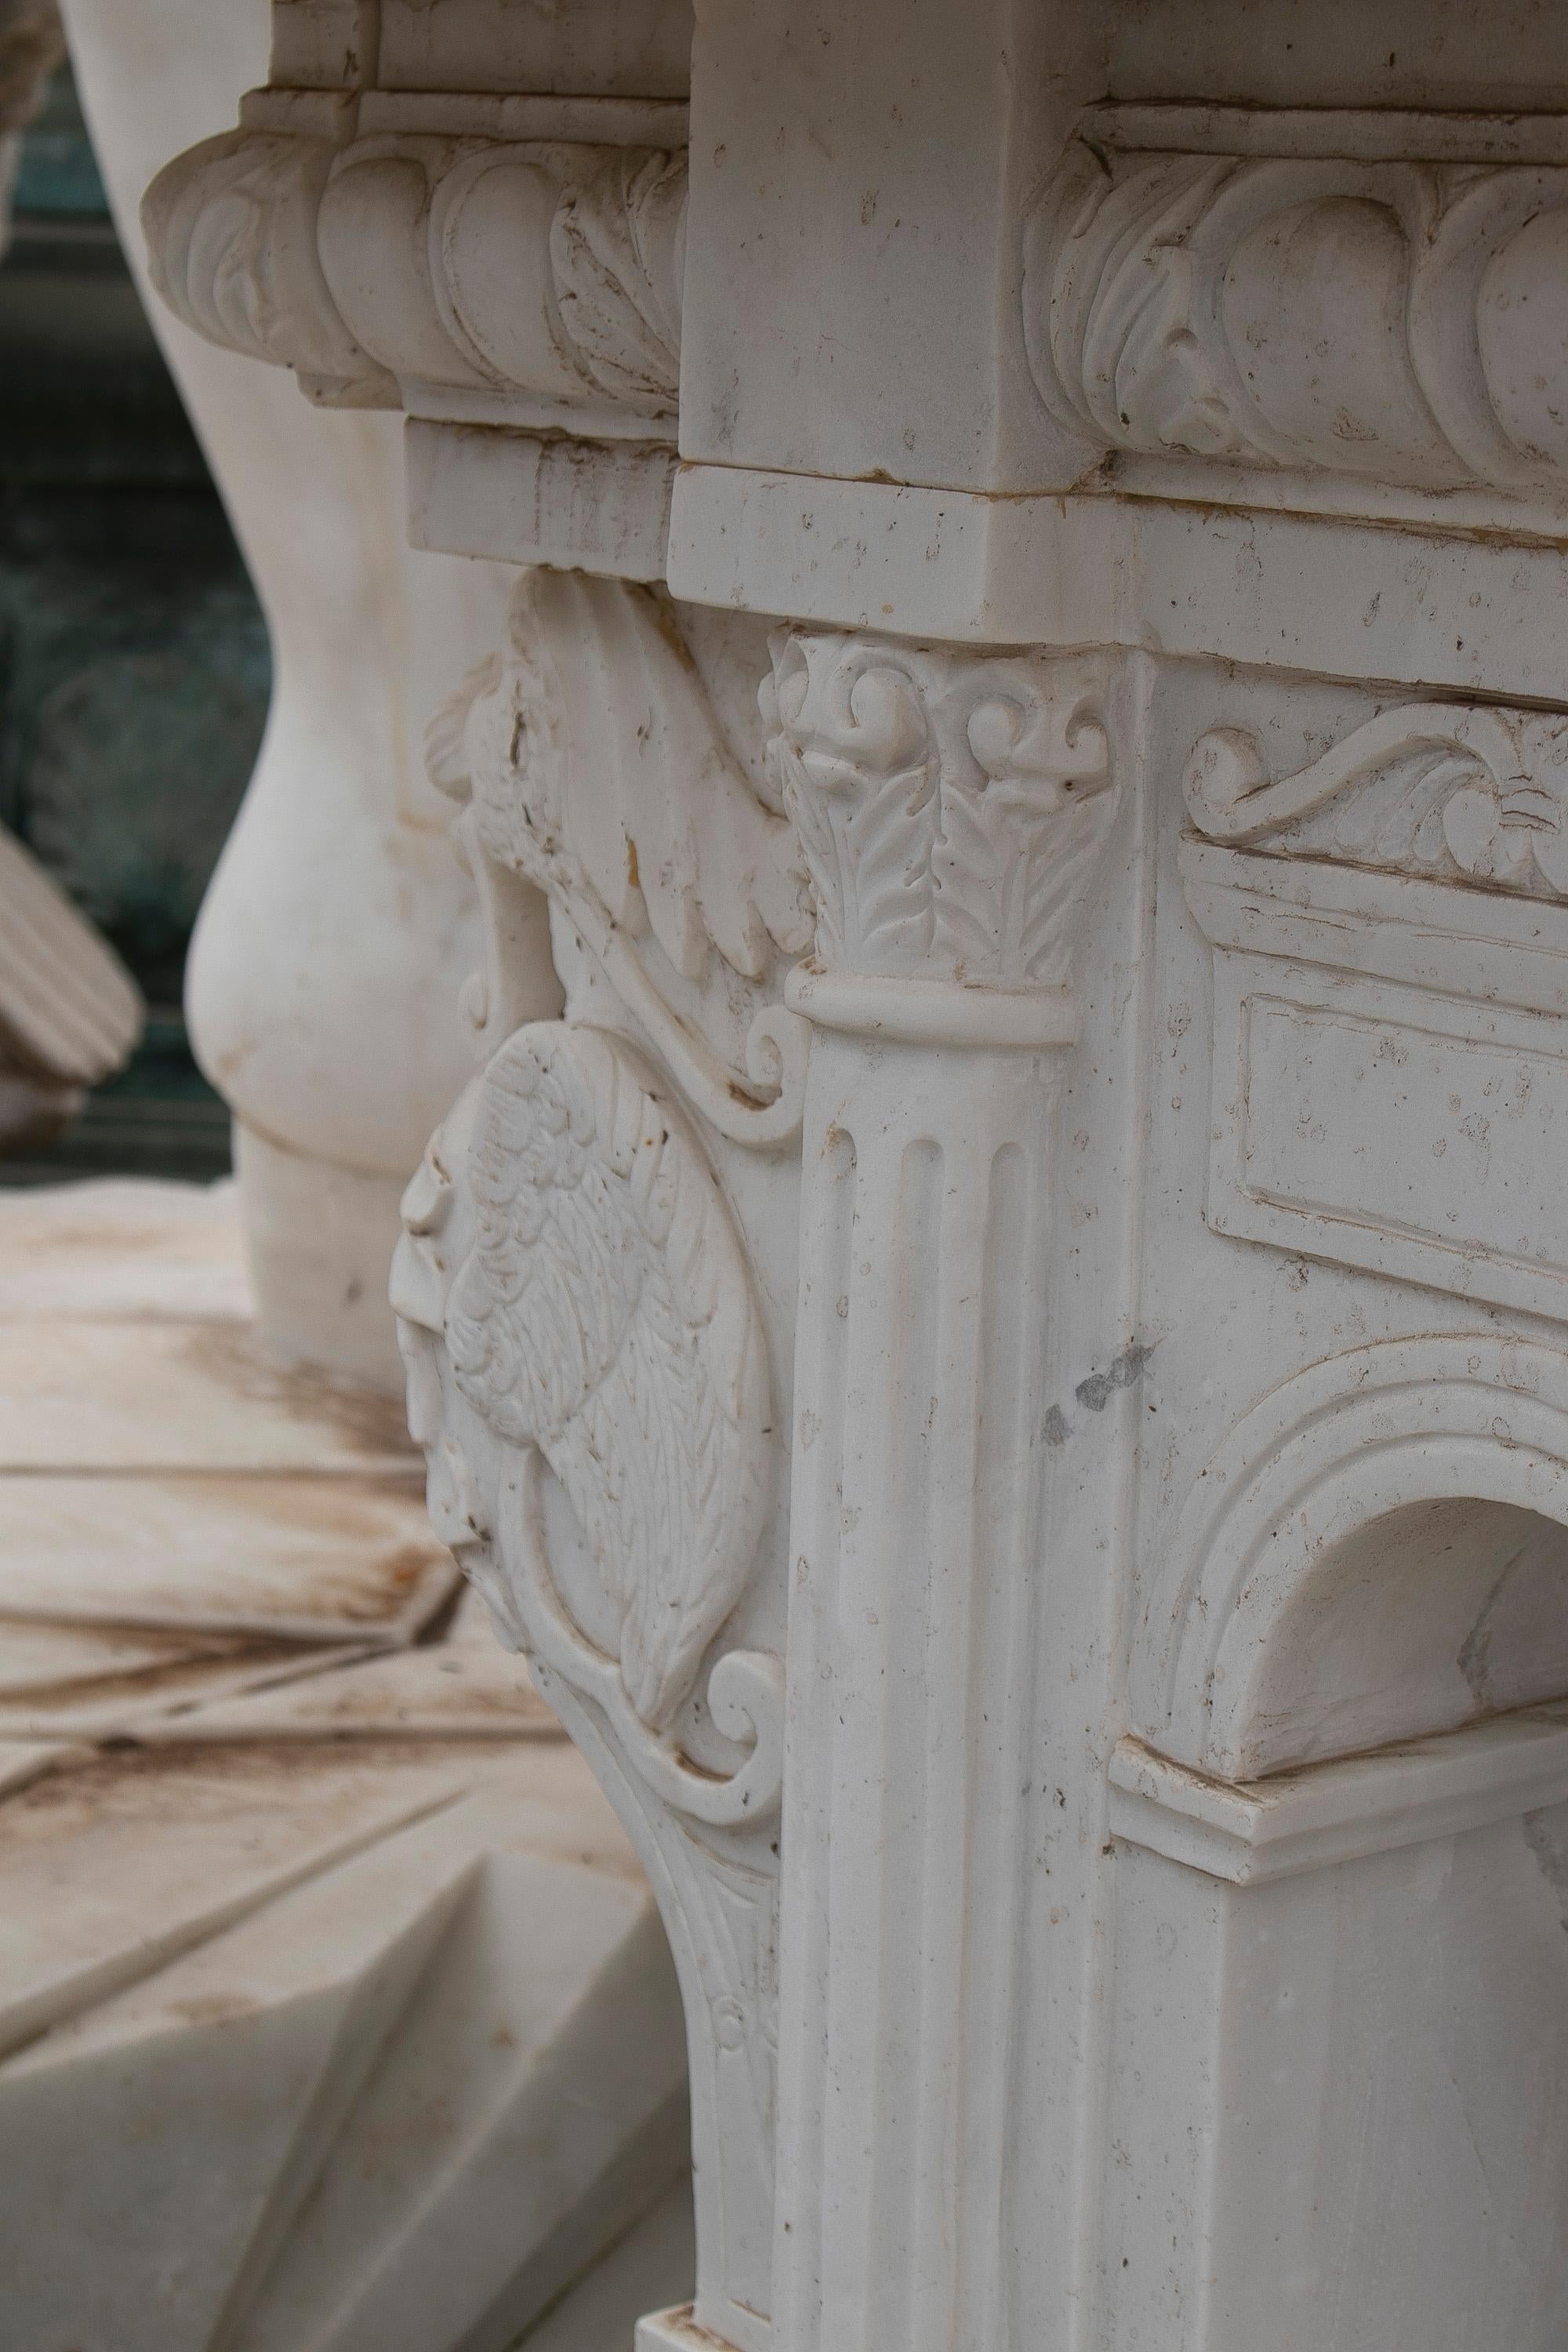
(950, 809)
(617, 246)
(1390, 318)
(487, 270)
(1474, 795)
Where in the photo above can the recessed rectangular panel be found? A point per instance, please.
(1393, 1129)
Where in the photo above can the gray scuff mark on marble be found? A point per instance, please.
(1124, 1371)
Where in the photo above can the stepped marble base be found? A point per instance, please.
(334, 2007)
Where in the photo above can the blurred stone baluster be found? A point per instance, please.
(326, 970)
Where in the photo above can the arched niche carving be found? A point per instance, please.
(1377, 1552)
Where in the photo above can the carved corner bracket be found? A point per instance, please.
(588, 1356)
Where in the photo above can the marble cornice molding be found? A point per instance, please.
(1386, 313)
(231, 231)
(1348, 315)
(1182, 578)
(501, 265)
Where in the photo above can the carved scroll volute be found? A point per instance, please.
(1456, 791)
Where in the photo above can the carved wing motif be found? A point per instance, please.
(605, 1316)
(591, 761)
(596, 744)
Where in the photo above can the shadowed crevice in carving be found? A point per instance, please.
(1549, 1844)
(1475, 1655)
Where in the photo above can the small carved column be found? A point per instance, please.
(952, 813)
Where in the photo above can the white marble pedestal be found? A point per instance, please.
(1007, 1356)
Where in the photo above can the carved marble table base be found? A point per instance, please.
(1005, 1354)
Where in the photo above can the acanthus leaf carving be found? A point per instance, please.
(1124, 342)
(574, 1299)
(591, 763)
(1477, 794)
(951, 808)
(616, 247)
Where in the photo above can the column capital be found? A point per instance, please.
(952, 810)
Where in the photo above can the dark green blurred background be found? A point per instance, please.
(134, 669)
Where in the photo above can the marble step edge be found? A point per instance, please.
(1251, 1832)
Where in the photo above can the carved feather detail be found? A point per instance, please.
(605, 1316)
